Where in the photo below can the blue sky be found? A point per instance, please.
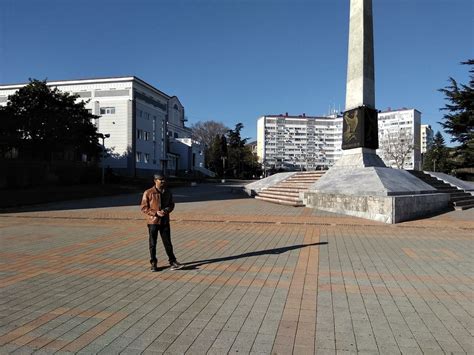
(236, 60)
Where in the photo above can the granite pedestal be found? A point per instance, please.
(360, 184)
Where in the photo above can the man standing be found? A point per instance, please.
(157, 204)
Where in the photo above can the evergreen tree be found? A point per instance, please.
(218, 155)
(459, 121)
(228, 156)
(236, 145)
(40, 121)
(242, 162)
(437, 156)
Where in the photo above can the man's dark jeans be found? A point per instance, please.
(165, 234)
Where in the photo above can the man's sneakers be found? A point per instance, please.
(175, 265)
(154, 267)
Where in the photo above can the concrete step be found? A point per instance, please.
(294, 184)
(465, 207)
(281, 202)
(460, 193)
(294, 197)
(311, 172)
(463, 197)
(302, 178)
(297, 180)
(283, 189)
(428, 178)
(291, 188)
(280, 196)
(445, 188)
(442, 185)
(459, 199)
(286, 192)
(467, 202)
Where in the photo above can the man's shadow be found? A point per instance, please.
(193, 265)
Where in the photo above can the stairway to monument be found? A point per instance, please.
(460, 199)
(287, 192)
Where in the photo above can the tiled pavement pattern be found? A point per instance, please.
(259, 278)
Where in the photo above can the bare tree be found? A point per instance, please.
(206, 131)
(396, 147)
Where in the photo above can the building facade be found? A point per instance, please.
(140, 121)
(311, 142)
(399, 133)
(298, 142)
(191, 154)
(426, 137)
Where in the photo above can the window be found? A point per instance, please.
(147, 136)
(147, 158)
(139, 134)
(107, 110)
(138, 157)
(175, 135)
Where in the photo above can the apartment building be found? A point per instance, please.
(426, 137)
(298, 142)
(312, 142)
(399, 129)
(140, 121)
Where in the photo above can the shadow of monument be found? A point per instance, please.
(194, 265)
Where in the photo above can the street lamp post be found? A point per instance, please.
(223, 168)
(103, 137)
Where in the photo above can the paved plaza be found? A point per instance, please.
(259, 278)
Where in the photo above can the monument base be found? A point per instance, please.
(360, 185)
(386, 209)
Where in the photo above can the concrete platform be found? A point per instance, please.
(259, 279)
(360, 184)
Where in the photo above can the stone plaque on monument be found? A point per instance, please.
(360, 128)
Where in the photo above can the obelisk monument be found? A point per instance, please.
(360, 184)
(360, 85)
(360, 130)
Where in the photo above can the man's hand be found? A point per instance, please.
(160, 213)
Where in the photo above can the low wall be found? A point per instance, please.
(387, 209)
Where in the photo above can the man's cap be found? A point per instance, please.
(159, 177)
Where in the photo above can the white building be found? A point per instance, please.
(298, 142)
(426, 137)
(191, 155)
(140, 119)
(310, 143)
(401, 126)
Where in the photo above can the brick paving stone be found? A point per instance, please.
(259, 278)
(324, 351)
